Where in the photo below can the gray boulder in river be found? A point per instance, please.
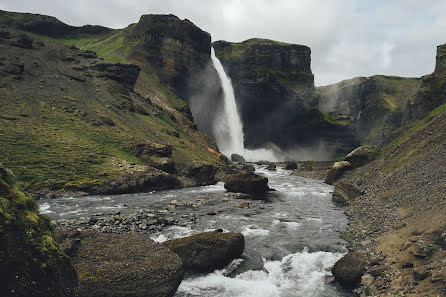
(208, 251)
(247, 182)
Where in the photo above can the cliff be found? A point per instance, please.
(377, 104)
(74, 120)
(275, 93)
(31, 263)
(383, 106)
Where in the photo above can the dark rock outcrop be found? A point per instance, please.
(336, 171)
(203, 174)
(344, 193)
(348, 270)
(175, 49)
(238, 158)
(46, 25)
(125, 265)
(248, 168)
(362, 155)
(290, 165)
(247, 182)
(207, 251)
(126, 74)
(31, 262)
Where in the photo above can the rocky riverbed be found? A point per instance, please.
(291, 234)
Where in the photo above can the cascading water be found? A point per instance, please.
(228, 127)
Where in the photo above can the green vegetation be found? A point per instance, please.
(27, 238)
(336, 119)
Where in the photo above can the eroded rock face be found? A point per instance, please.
(207, 251)
(125, 265)
(174, 48)
(275, 93)
(247, 182)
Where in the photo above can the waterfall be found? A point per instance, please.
(228, 128)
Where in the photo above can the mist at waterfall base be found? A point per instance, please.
(227, 129)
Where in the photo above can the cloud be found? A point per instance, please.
(348, 38)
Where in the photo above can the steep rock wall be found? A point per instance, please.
(275, 93)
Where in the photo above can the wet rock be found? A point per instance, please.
(203, 174)
(237, 158)
(207, 251)
(348, 270)
(248, 168)
(247, 182)
(344, 193)
(362, 155)
(119, 265)
(290, 165)
(271, 167)
(336, 171)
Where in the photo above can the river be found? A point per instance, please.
(292, 238)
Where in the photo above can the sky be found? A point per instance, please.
(348, 38)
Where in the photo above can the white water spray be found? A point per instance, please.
(228, 127)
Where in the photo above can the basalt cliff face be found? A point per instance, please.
(383, 106)
(275, 93)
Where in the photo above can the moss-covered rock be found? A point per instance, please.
(344, 193)
(31, 262)
(362, 155)
(336, 171)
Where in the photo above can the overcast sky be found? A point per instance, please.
(348, 38)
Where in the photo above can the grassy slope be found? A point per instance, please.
(49, 142)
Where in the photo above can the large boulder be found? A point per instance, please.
(247, 182)
(344, 193)
(208, 251)
(248, 168)
(348, 270)
(237, 158)
(362, 155)
(336, 171)
(126, 265)
(203, 174)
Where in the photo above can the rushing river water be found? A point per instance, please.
(292, 239)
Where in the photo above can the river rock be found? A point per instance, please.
(290, 165)
(125, 265)
(237, 158)
(344, 193)
(336, 171)
(248, 168)
(207, 251)
(247, 182)
(271, 167)
(362, 155)
(348, 270)
(203, 174)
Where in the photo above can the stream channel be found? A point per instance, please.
(292, 238)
